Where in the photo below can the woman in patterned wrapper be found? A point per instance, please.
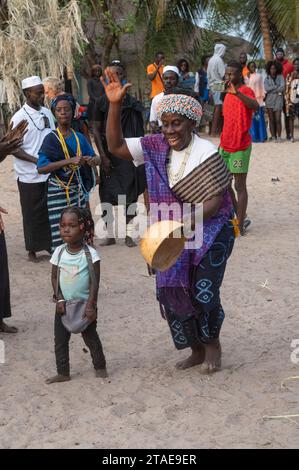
(292, 97)
(183, 168)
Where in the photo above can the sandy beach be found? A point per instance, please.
(146, 402)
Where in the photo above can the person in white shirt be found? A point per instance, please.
(33, 186)
(215, 73)
(170, 77)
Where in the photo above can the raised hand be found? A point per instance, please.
(18, 132)
(114, 90)
(230, 88)
(13, 138)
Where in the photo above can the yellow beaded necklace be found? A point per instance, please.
(73, 167)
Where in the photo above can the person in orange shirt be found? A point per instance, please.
(243, 62)
(154, 74)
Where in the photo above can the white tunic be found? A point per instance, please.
(26, 172)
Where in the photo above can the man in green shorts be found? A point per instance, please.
(235, 141)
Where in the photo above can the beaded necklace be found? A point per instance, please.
(174, 177)
(45, 119)
(73, 167)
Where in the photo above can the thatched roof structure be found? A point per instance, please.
(37, 38)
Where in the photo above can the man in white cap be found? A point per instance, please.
(32, 186)
(170, 77)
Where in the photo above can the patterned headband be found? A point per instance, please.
(180, 104)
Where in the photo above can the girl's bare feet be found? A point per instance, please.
(212, 361)
(197, 357)
(102, 373)
(58, 378)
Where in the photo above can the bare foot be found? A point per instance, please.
(7, 329)
(32, 257)
(58, 378)
(212, 361)
(102, 373)
(197, 357)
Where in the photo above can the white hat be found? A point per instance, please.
(171, 68)
(30, 82)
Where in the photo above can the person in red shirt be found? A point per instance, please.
(235, 141)
(287, 68)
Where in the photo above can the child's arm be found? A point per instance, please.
(91, 307)
(60, 306)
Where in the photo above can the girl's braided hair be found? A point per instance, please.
(82, 214)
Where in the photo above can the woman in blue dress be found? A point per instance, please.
(255, 81)
(68, 157)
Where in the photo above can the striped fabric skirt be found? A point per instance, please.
(57, 201)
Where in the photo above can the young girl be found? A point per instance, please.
(74, 284)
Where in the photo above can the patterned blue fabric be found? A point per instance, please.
(203, 321)
(57, 201)
(258, 129)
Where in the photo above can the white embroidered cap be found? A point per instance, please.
(171, 68)
(31, 81)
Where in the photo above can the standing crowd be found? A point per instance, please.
(56, 169)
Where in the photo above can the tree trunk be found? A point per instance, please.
(265, 29)
(107, 48)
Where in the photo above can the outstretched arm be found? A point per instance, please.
(22, 155)
(115, 93)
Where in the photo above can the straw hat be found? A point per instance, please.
(162, 244)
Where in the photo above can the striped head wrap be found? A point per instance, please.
(180, 104)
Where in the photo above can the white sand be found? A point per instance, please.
(146, 402)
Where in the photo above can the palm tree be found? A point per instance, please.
(269, 22)
(265, 29)
(285, 16)
(171, 21)
(272, 23)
